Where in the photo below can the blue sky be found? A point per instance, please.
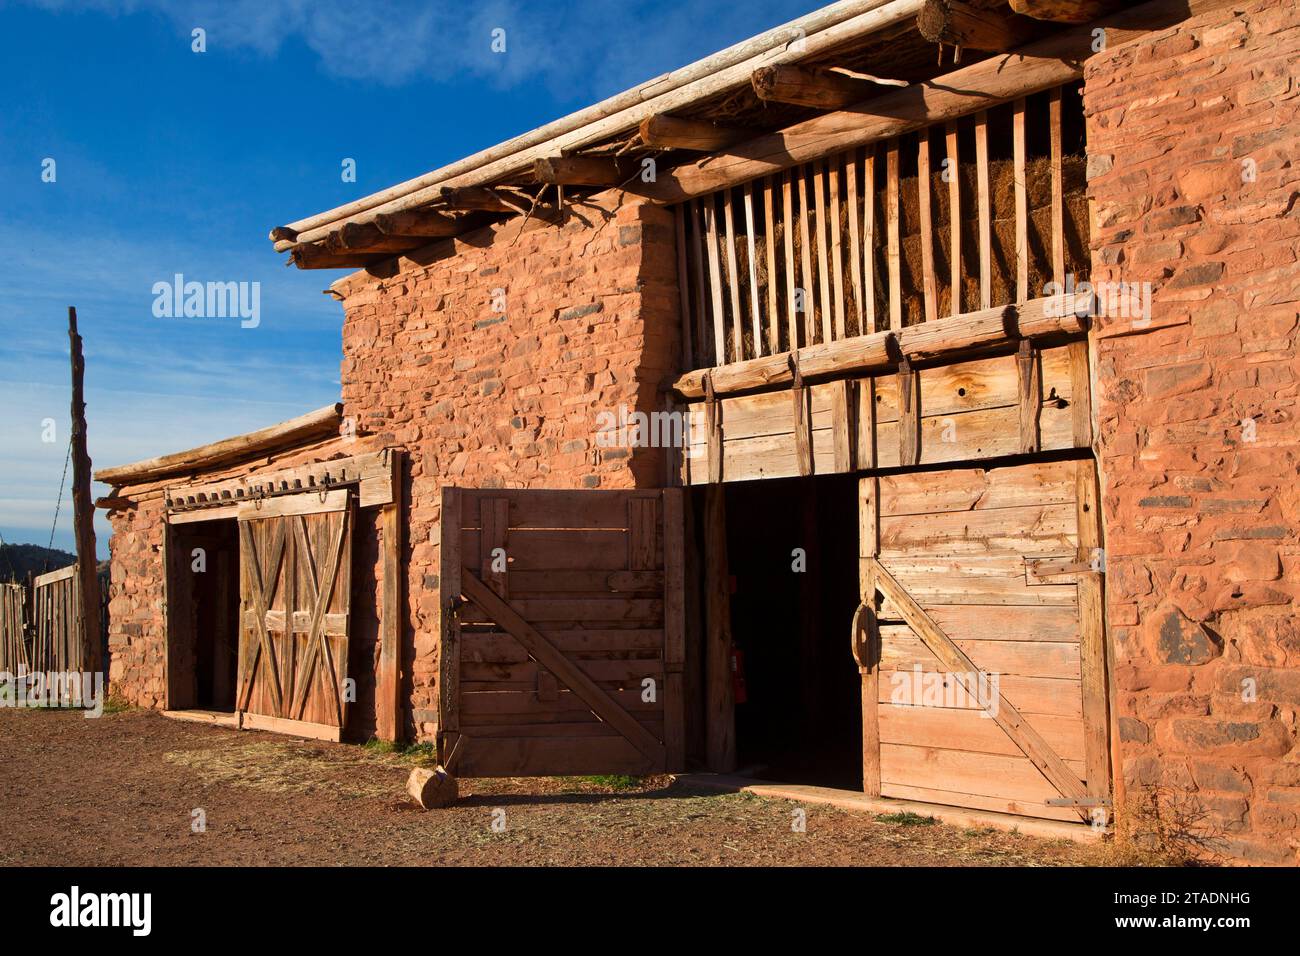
(170, 161)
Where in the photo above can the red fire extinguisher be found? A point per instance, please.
(738, 673)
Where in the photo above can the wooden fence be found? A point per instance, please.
(40, 625)
(945, 221)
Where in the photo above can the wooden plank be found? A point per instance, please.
(609, 610)
(844, 425)
(805, 259)
(449, 595)
(1080, 394)
(787, 218)
(494, 541)
(545, 508)
(959, 772)
(541, 583)
(769, 248)
(1029, 530)
(295, 728)
(951, 728)
(1058, 197)
(868, 657)
(892, 223)
(552, 756)
(954, 217)
(307, 503)
(643, 527)
(869, 238)
(801, 421)
(683, 287)
(1092, 636)
(837, 247)
(975, 579)
(388, 706)
(855, 241)
(674, 560)
(978, 489)
(902, 651)
(755, 313)
(600, 702)
(733, 281)
(962, 668)
(697, 254)
(496, 647)
(985, 208)
(713, 431)
(929, 287)
(1022, 201)
(715, 278)
(496, 675)
(1031, 397)
(823, 260)
(909, 415)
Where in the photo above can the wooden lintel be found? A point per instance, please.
(949, 337)
(1065, 11)
(817, 88)
(417, 222)
(367, 237)
(673, 132)
(582, 170)
(957, 24)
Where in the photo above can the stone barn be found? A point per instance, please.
(901, 402)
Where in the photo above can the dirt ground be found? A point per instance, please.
(122, 790)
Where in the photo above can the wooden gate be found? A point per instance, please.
(295, 558)
(563, 636)
(13, 629)
(57, 639)
(980, 639)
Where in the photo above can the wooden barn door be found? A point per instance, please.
(295, 558)
(563, 640)
(980, 640)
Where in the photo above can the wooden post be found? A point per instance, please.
(388, 708)
(83, 511)
(720, 701)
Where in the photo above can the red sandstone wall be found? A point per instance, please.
(483, 398)
(1198, 439)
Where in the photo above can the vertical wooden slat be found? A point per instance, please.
(642, 534)
(954, 218)
(388, 724)
(868, 668)
(701, 297)
(1092, 650)
(855, 242)
(892, 223)
(1080, 394)
(823, 261)
(733, 281)
(837, 247)
(869, 238)
(805, 258)
(909, 414)
(1030, 381)
(1022, 201)
(713, 430)
(1058, 199)
(684, 288)
(720, 697)
(674, 538)
(494, 536)
(802, 419)
(929, 288)
(715, 279)
(844, 425)
(985, 208)
(449, 560)
(787, 219)
(769, 225)
(755, 313)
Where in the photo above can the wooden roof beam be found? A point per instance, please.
(297, 431)
(956, 24)
(583, 170)
(673, 132)
(474, 198)
(1065, 11)
(417, 222)
(366, 237)
(822, 89)
(317, 255)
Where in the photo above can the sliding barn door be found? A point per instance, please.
(295, 579)
(563, 632)
(980, 640)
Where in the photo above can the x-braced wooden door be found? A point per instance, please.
(563, 637)
(295, 560)
(980, 640)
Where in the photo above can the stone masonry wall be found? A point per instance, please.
(490, 358)
(1193, 136)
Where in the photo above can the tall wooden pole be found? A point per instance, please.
(83, 511)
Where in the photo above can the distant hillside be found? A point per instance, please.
(17, 559)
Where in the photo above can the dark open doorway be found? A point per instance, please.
(203, 615)
(801, 716)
